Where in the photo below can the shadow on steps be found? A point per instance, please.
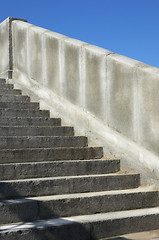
(29, 226)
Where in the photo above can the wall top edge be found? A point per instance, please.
(133, 63)
(11, 19)
(98, 50)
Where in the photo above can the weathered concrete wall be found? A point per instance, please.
(6, 63)
(110, 98)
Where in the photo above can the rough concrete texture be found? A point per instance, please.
(47, 172)
(57, 168)
(44, 154)
(6, 64)
(53, 61)
(148, 108)
(4, 49)
(86, 203)
(29, 121)
(36, 57)
(104, 94)
(19, 105)
(14, 98)
(9, 112)
(122, 95)
(67, 184)
(10, 91)
(36, 131)
(42, 142)
(20, 37)
(71, 74)
(83, 227)
(95, 81)
(59, 177)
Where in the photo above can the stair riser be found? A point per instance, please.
(97, 204)
(36, 131)
(23, 113)
(2, 81)
(42, 142)
(6, 86)
(58, 168)
(52, 186)
(30, 121)
(19, 211)
(33, 155)
(10, 92)
(66, 230)
(111, 228)
(62, 231)
(14, 98)
(31, 210)
(19, 105)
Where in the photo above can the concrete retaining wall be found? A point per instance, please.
(110, 98)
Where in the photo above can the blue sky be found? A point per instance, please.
(127, 27)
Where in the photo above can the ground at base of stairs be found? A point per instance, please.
(149, 235)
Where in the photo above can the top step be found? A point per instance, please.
(6, 86)
(2, 81)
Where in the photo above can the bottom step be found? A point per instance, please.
(87, 227)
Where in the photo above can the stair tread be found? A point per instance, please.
(92, 194)
(44, 188)
(83, 219)
(60, 161)
(79, 195)
(71, 177)
(45, 148)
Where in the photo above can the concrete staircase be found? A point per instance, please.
(54, 187)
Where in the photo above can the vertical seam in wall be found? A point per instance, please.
(10, 50)
(10, 70)
(108, 91)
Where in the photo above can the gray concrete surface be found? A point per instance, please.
(55, 168)
(62, 177)
(108, 97)
(46, 207)
(67, 185)
(6, 65)
(29, 121)
(82, 227)
(45, 154)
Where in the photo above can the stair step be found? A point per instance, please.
(84, 227)
(10, 92)
(58, 168)
(66, 185)
(14, 98)
(18, 142)
(29, 121)
(45, 207)
(23, 113)
(6, 86)
(47, 172)
(2, 80)
(36, 131)
(45, 154)
(19, 105)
